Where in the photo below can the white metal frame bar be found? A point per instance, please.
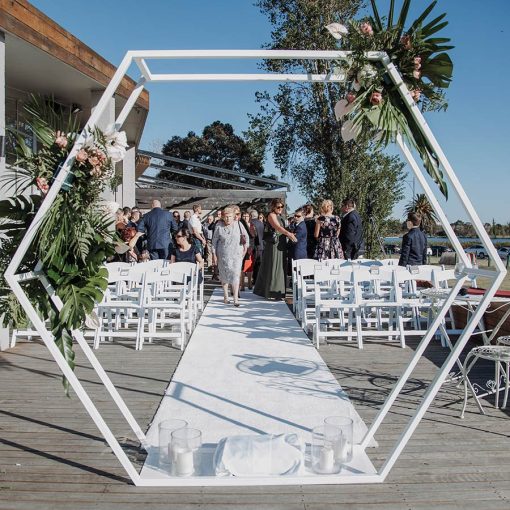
(140, 58)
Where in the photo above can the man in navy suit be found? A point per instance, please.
(414, 243)
(351, 230)
(157, 225)
(299, 250)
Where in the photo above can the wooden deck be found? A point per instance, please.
(52, 456)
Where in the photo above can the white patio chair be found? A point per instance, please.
(124, 296)
(165, 303)
(334, 305)
(376, 303)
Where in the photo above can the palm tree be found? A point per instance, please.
(420, 204)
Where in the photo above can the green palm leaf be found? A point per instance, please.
(421, 18)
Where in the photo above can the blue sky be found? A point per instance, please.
(474, 132)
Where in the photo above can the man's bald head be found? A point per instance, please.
(156, 203)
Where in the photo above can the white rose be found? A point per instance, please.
(337, 30)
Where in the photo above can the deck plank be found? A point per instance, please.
(52, 455)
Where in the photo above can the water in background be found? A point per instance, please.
(432, 240)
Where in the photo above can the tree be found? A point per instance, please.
(420, 204)
(217, 146)
(298, 123)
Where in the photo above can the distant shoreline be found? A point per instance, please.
(445, 240)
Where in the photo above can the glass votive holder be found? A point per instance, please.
(165, 428)
(323, 450)
(344, 443)
(185, 448)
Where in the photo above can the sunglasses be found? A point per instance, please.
(279, 207)
(297, 216)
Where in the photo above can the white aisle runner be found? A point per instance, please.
(252, 370)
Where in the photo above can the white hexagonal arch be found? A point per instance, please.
(496, 277)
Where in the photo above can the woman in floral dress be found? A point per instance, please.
(229, 245)
(327, 230)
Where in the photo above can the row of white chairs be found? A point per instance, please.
(344, 299)
(159, 299)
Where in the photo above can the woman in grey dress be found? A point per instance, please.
(228, 251)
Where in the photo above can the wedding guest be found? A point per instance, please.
(228, 252)
(311, 242)
(249, 257)
(327, 230)
(185, 250)
(262, 218)
(133, 254)
(271, 280)
(208, 234)
(351, 231)
(299, 249)
(414, 243)
(120, 221)
(127, 212)
(157, 225)
(196, 228)
(259, 242)
(136, 216)
(185, 221)
(177, 219)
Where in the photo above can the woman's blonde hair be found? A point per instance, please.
(326, 204)
(228, 210)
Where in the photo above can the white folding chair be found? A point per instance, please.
(376, 303)
(334, 304)
(124, 296)
(165, 302)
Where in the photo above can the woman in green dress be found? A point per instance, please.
(271, 278)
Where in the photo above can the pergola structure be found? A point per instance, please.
(246, 189)
(142, 59)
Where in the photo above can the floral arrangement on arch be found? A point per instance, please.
(76, 235)
(372, 101)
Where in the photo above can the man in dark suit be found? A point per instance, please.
(414, 243)
(157, 225)
(258, 241)
(299, 250)
(351, 230)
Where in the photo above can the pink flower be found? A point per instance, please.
(101, 155)
(61, 139)
(94, 160)
(406, 42)
(416, 94)
(376, 98)
(366, 29)
(417, 74)
(96, 171)
(417, 62)
(351, 96)
(81, 156)
(42, 184)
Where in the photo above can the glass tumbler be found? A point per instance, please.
(166, 427)
(343, 445)
(185, 448)
(323, 449)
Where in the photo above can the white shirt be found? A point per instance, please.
(194, 223)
